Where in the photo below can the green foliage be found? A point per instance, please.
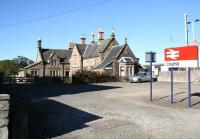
(67, 80)
(9, 67)
(85, 77)
(43, 81)
(23, 61)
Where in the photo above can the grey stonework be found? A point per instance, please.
(4, 132)
(4, 113)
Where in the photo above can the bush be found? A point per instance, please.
(85, 77)
(67, 80)
(48, 80)
(56, 80)
(124, 79)
(52, 80)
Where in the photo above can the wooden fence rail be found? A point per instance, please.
(36, 80)
(12, 80)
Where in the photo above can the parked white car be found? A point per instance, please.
(142, 77)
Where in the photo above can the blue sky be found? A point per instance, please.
(148, 24)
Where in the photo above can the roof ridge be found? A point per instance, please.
(53, 49)
(85, 50)
(120, 50)
(81, 47)
(104, 58)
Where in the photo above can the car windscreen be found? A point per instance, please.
(140, 74)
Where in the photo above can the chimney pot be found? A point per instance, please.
(39, 43)
(92, 38)
(113, 33)
(100, 34)
(126, 40)
(83, 39)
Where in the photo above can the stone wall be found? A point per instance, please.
(75, 61)
(90, 62)
(18, 117)
(13, 118)
(4, 115)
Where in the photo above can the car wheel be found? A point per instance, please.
(139, 80)
(20, 79)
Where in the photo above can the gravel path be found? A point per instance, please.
(113, 111)
(126, 113)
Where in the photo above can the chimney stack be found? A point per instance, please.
(100, 34)
(39, 43)
(71, 44)
(113, 33)
(126, 41)
(83, 39)
(92, 38)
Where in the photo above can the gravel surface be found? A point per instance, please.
(116, 111)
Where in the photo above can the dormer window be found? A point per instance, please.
(54, 62)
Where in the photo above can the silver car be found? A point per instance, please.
(142, 77)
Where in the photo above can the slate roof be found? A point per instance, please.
(114, 53)
(92, 50)
(62, 54)
(103, 44)
(81, 48)
(31, 65)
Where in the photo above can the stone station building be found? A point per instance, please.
(103, 55)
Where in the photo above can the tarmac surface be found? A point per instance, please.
(113, 111)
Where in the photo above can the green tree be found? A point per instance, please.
(9, 67)
(23, 61)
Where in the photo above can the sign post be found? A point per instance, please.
(186, 56)
(172, 86)
(150, 57)
(151, 97)
(189, 87)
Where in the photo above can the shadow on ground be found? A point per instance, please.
(51, 119)
(169, 96)
(48, 118)
(34, 92)
(196, 94)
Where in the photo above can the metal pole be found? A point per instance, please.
(189, 88)
(172, 87)
(193, 33)
(189, 80)
(151, 98)
(186, 28)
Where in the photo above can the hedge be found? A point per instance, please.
(85, 77)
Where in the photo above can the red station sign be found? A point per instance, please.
(186, 56)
